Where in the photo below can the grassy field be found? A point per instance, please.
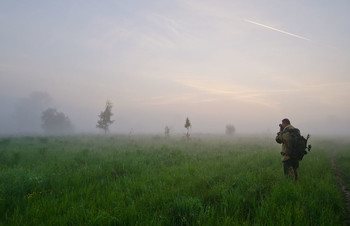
(342, 159)
(151, 180)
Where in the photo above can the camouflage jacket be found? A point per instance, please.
(282, 138)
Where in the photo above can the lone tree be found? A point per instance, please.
(188, 127)
(167, 131)
(230, 130)
(105, 118)
(54, 122)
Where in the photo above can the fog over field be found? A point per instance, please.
(245, 63)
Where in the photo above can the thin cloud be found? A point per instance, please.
(225, 90)
(190, 98)
(275, 29)
(241, 93)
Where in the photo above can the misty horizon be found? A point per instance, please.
(127, 125)
(218, 63)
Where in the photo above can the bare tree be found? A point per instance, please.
(230, 129)
(188, 127)
(105, 118)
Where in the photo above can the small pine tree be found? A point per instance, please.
(188, 127)
(105, 118)
(167, 131)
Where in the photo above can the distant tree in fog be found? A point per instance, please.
(105, 118)
(167, 131)
(230, 129)
(188, 127)
(28, 110)
(54, 122)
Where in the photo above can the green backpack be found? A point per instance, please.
(297, 144)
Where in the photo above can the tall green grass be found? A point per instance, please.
(342, 158)
(121, 180)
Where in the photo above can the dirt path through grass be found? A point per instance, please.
(345, 191)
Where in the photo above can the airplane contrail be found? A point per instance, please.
(275, 29)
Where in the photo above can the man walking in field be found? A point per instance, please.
(290, 164)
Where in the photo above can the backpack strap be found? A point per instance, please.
(291, 131)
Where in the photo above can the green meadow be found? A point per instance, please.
(153, 180)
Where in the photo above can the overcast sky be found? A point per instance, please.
(248, 63)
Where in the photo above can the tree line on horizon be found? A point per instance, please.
(54, 122)
(105, 121)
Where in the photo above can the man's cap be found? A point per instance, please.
(286, 121)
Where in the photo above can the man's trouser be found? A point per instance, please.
(291, 168)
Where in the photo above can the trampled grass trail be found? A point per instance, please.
(340, 164)
(151, 180)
